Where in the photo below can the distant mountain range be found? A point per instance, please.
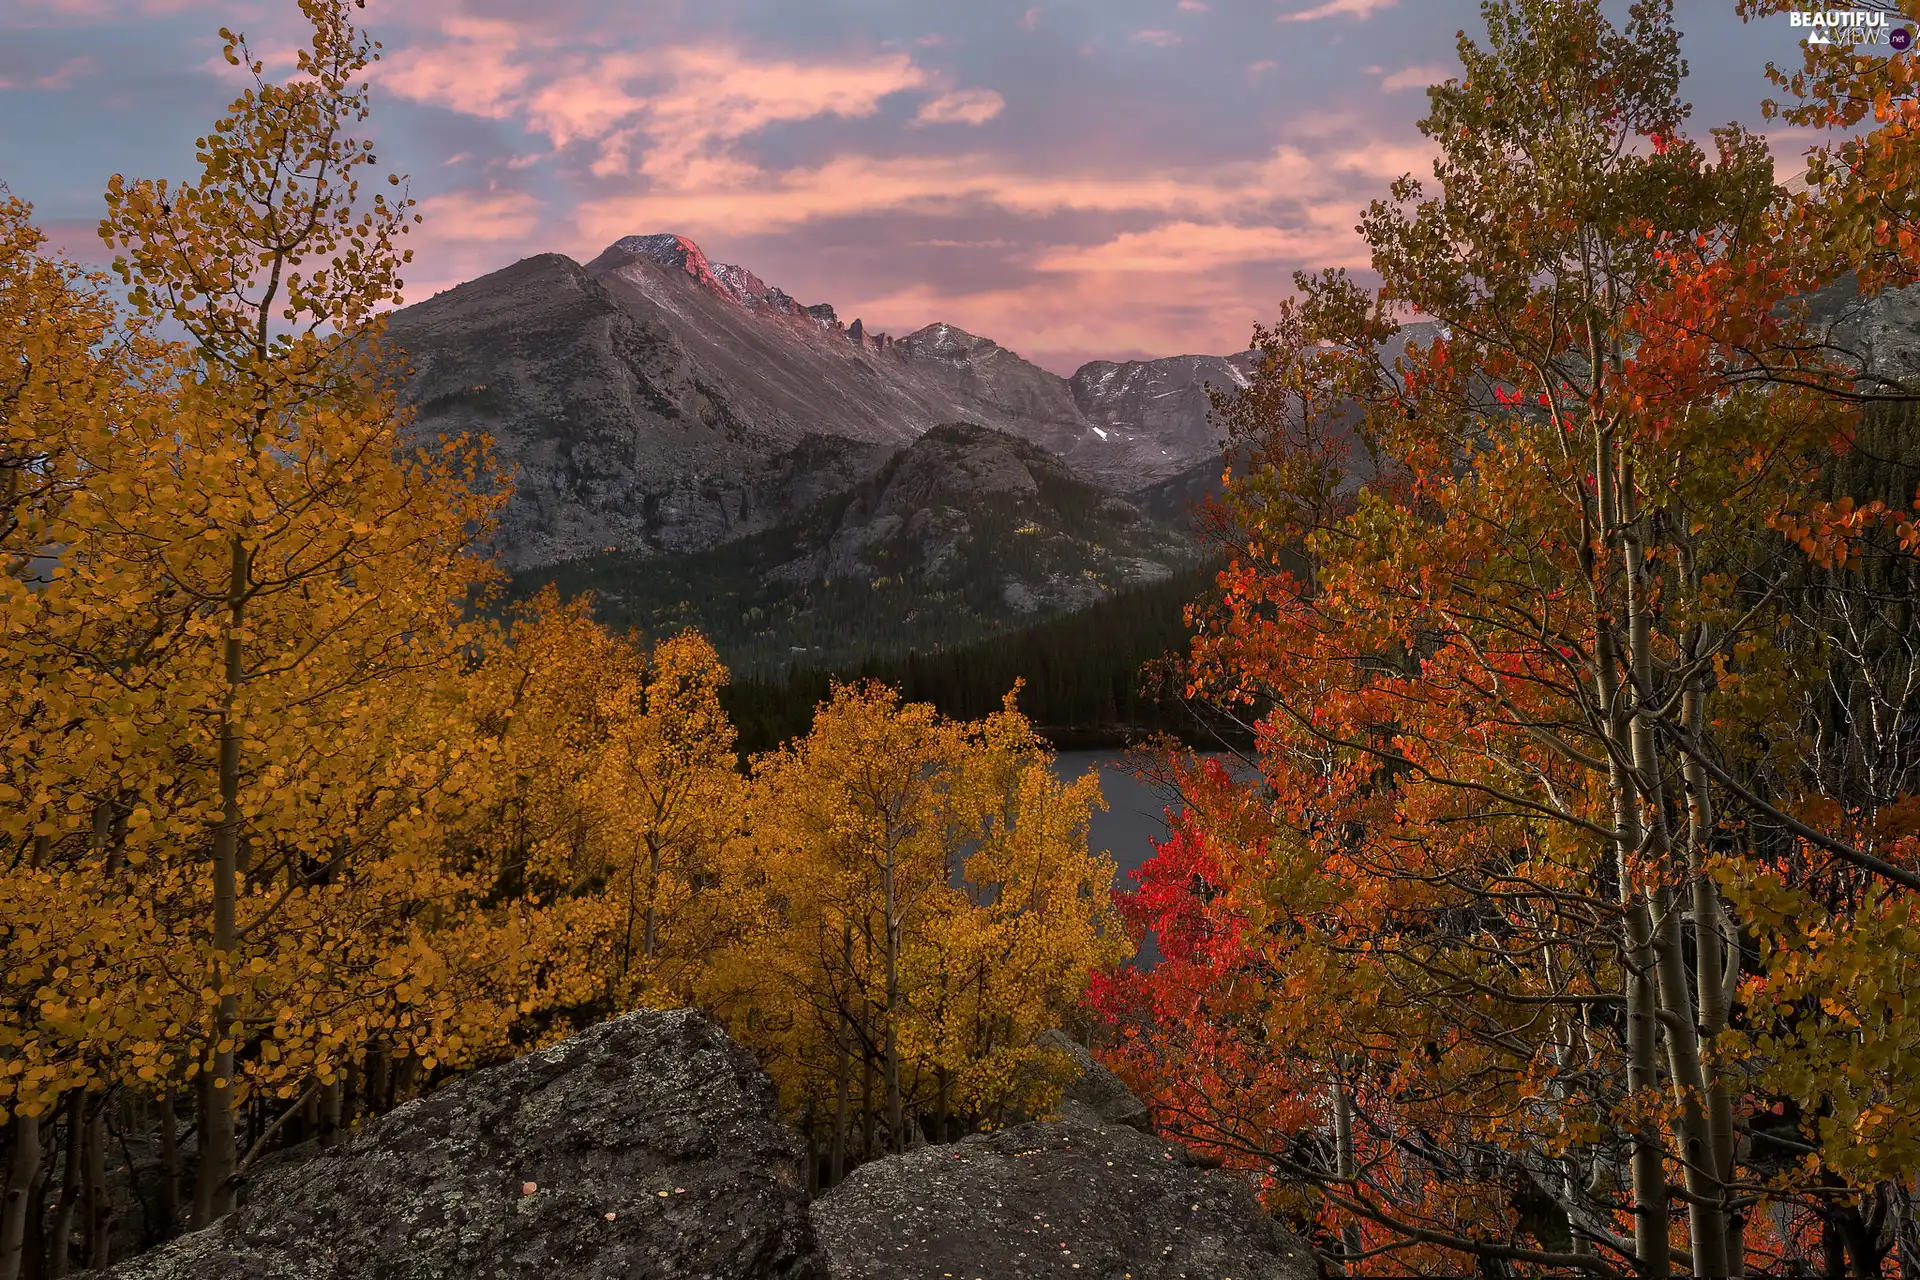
(698, 447)
(653, 402)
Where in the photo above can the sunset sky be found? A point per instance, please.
(1077, 179)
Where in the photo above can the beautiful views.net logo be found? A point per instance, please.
(1853, 26)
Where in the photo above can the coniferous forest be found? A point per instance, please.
(1571, 925)
(1093, 678)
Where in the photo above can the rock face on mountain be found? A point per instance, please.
(646, 1146)
(966, 501)
(1155, 413)
(655, 401)
(1878, 335)
(616, 435)
(1068, 1199)
(965, 532)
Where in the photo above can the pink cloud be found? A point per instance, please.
(473, 71)
(95, 10)
(1257, 69)
(1416, 77)
(1030, 19)
(1189, 248)
(1164, 39)
(482, 215)
(962, 106)
(772, 202)
(672, 112)
(1338, 9)
(1194, 6)
(62, 77)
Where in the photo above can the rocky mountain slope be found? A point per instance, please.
(966, 532)
(652, 401)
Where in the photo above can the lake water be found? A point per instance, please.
(1135, 817)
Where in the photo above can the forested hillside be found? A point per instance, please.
(1096, 677)
(967, 533)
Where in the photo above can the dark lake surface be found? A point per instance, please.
(1135, 817)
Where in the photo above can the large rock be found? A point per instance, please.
(1071, 1199)
(1096, 1088)
(653, 1141)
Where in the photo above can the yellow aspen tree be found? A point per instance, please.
(1036, 920)
(670, 794)
(72, 370)
(862, 952)
(868, 792)
(308, 557)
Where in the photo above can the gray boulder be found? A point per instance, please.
(653, 1143)
(1096, 1088)
(1072, 1200)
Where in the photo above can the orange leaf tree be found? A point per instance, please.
(1526, 655)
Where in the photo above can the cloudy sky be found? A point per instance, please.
(1077, 179)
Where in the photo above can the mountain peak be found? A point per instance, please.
(737, 284)
(669, 250)
(948, 342)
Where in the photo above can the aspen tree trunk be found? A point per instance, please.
(1650, 1244)
(379, 1067)
(1346, 1168)
(809, 1126)
(213, 1190)
(1711, 966)
(843, 1063)
(99, 1207)
(102, 827)
(33, 1256)
(23, 1177)
(405, 1077)
(350, 1093)
(653, 898)
(330, 1111)
(1706, 1220)
(896, 1128)
(169, 1168)
(843, 1086)
(306, 1125)
(58, 1256)
(866, 1106)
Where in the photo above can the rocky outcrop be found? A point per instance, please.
(646, 1146)
(651, 1147)
(1104, 1095)
(1084, 1196)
